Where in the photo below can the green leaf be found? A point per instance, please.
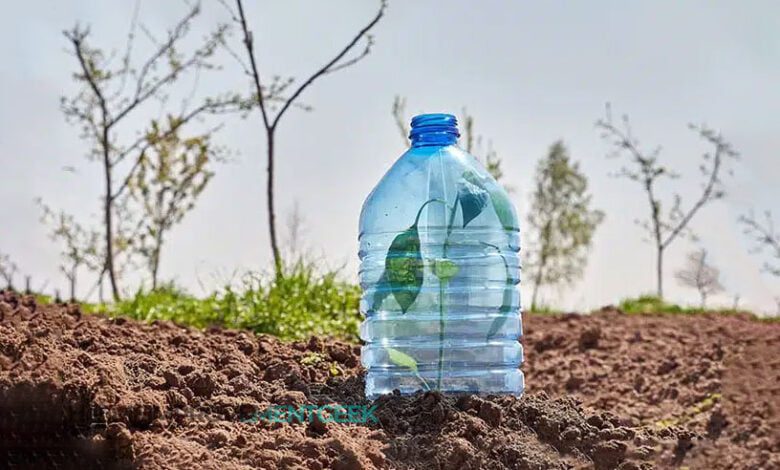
(472, 196)
(498, 198)
(509, 290)
(445, 269)
(312, 359)
(503, 207)
(506, 307)
(335, 369)
(402, 359)
(404, 267)
(381, 291)
(506, 303)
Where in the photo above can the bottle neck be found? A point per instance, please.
(434, 130)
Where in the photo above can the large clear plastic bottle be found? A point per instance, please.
(439, 243)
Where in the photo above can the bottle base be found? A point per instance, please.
(483, 382)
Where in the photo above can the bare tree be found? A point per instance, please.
(170, 177)
(700, 275)
(81, 247)
(766, 239)
(735, 303)
(665, 226)
(561, 221)
(473, 143)
(266, 98)
(8, 270)
(401, 118)
(295, 231)
(113, 94)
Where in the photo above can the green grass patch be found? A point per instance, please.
(543, 310)
(654, 304)
(43, 299)
(300, 304)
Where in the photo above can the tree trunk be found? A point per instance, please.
(659, 273)
(108, 215)
(533, 298)
(543, 254)
(271, 211)
(538, 281)
(156, 257)
(155, 267)
(73, 283)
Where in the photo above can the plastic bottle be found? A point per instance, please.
(439, 243)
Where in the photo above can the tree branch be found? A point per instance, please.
(175, 34)
(765, 237)
(249, 44)
(333, 65)
(153, 87)
(143, 143)
(124, 71)
(77, 37)
(399, 114)
(706, 195)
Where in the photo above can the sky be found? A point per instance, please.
(529, 72)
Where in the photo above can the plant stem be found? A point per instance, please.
(419, 212)
(441, 335)
(425, 384)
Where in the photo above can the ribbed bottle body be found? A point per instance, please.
(439, 245)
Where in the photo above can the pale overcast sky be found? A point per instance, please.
(530, 73)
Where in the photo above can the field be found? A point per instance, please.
(606, 390)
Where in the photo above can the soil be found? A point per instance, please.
(605, 390)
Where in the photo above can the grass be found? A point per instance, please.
(651, 304)
(300, 304)
(654, 304)
(543, 310)
(648, 303)
(304, 302)
(43, 299)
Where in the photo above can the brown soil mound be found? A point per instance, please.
(605, 391)
(715, 376)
